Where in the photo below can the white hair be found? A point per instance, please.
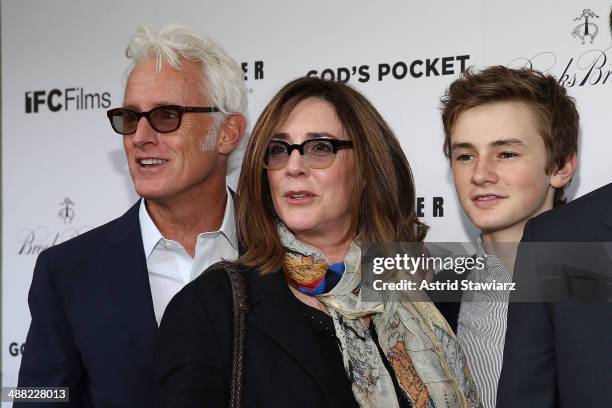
(222, 77)
(210, 139)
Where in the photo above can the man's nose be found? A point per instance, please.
(484, 171)
(144, 133)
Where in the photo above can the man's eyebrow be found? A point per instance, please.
(496, 143)
(507, 142)
(156, 105)
(462, 145)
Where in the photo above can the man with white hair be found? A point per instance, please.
(96, 300)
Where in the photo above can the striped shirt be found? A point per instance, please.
(481, 326)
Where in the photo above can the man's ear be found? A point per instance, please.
(230, 133)
(562, 176)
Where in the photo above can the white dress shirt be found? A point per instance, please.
(171, 267)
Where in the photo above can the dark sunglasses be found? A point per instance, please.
(163, 119)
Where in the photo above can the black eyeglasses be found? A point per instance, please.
(317, 153)
(163, 119)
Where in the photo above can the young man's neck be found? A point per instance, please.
(511, 234)
(182, 218)
(503, 243)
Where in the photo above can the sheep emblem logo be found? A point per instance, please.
(587, 29)
(66, 213)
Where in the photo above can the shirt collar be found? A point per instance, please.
(228, 226)
(480, 249)
(494, 267)
(151, 235)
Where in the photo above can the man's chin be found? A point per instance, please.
(500, 226)
(492, 226)
(152, 194)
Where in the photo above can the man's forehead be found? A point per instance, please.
(153, 70)
(506, 122)
(151, 85)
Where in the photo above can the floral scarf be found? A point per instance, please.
(424, 353)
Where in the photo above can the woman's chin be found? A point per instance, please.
(300, 228)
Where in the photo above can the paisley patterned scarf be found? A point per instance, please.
(311, 275)
(424, 353)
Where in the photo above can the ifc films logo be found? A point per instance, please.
(56, 100)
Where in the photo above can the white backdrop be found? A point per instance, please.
(64, 171)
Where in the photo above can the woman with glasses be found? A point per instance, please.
(322, 174)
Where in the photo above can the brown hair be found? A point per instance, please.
(555, 111)
(383, 189)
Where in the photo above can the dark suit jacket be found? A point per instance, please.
(93, 326)
(284, 367)
(560, 354)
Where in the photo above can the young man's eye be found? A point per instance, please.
(463, 157)
(507, 155)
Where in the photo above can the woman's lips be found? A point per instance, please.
(300, 197)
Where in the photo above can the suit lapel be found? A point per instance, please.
(128, 282)
(607, 217)
(605, 197)
(274, 310)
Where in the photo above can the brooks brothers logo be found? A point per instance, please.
(67, 99)
(66, 213)
(32, 241)
(587, 29)
(399, 70)
(590, 67)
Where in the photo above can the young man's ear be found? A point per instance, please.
(230, 133)
(562, 176)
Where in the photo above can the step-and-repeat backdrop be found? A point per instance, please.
(63, 66)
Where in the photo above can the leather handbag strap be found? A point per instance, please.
(240, 308)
